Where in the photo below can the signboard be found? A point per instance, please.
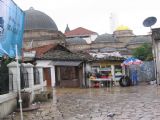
(11, 28)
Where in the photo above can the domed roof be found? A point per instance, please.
(35, 19)
(105, 38)
(107, 49)
(76, 40)
(122, 27)
(140, 39)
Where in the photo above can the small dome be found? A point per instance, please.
(107, 49)
(76, 40)
(140, 39)
(35, 19)
(122, 27)
(105, 38)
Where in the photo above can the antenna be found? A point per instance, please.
(148, 22)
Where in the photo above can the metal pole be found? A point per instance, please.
(19, 84)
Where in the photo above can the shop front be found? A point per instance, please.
(67, 77)
(105, 73)
(68, 74)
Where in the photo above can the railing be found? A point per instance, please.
(36, 76)
(6, 83)
(24, 78)
(10, 82)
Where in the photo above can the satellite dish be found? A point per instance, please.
(148, 22)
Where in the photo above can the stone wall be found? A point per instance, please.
(8, 102)
(145, 71)
(35, 38)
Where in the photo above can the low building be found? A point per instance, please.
(61, 67)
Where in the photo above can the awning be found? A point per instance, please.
(66, 63)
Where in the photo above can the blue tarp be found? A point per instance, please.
(11, 28)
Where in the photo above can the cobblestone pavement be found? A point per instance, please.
(117, 103)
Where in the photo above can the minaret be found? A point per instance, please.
(67, 29)
(113, 22)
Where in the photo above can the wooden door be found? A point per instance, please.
(47, 76)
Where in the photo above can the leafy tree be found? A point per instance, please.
(144, 52)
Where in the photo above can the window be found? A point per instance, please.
(36, 76)
(24, 78)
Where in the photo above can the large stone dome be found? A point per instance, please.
(35, 19)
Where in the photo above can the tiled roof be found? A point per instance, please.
(79, 32)
(56, 52)
(61, 55)
(42, 49)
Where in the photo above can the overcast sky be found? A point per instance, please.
(95, 14)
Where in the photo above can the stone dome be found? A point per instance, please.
(140, 39)
(105, 38)
(76, 40)
(35, 19)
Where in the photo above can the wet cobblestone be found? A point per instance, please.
(130, 103)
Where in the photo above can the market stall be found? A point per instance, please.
(130, 65)
(101, 77)
(105, 73)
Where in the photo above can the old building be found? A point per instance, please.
(77, 44)
(81, 32)
(40, 30)
(122, 40)
(61, 67)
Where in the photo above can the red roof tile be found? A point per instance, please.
(42, 49)
(79, 32)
